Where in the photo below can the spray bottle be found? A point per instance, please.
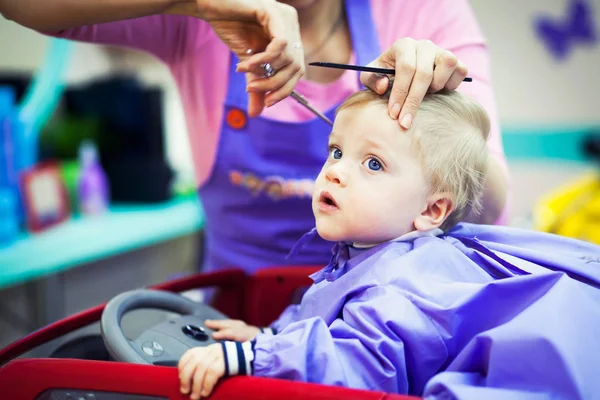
(92, 186)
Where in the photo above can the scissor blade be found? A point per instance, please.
(302, 100)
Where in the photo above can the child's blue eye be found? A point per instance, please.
(335, 153)
(373, 164)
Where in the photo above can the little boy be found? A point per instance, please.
(411, 302)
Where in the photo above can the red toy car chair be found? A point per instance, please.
(257, 299)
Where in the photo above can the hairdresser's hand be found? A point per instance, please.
(266, 27)
(199, 370)
(421, 67)
(232, 329)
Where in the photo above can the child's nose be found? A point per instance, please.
(335, 174)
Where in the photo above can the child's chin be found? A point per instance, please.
(329, 234)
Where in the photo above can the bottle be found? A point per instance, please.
(9, 224)
(92, 185)
(6, 143)
(10, 151)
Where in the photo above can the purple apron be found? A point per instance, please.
(258, 198)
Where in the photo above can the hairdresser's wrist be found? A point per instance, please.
(221, 10)
(183, 7)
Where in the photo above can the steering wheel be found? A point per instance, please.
(164, 343)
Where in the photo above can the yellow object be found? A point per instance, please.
(573, 211)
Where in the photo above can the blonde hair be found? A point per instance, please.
(450, 131)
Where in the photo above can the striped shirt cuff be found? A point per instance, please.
(239, 357)
(268, 331)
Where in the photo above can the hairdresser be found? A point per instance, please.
(257, 151)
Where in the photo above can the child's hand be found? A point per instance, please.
(232, 329)
(199, 370)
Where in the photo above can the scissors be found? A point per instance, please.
(270, 71)
(302, 100)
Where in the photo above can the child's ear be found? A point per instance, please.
(437, 209)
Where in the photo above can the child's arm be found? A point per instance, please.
(289, 315)
(382, 342)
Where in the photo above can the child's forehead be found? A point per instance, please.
(368, 120)
(368, 108)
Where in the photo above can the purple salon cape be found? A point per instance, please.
(479, 312)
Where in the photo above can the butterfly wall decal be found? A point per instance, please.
(561, 35)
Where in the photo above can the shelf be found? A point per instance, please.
(86, 239)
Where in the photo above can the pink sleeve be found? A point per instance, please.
(168, 37)
(184, 44)
(452, 25)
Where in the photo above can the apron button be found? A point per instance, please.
(236, 118)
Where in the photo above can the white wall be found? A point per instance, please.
(20, 48)
(531, 87)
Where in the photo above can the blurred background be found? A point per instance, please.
(100, 132)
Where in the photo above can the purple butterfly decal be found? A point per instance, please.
(560, 36)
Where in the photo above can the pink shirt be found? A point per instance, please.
(199, 63)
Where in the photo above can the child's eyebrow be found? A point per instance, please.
(333, 135)
(373, 143)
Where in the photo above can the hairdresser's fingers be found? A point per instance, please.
(276, 96)
(256, 104)
(254, 25)
(269, 91)
(256, 100)
(281, 23)
(402, 57)
(458, 76)
(405, 64)
(284, 24)
(274, 54)
(281, 79)
(445, 65)
(258, 25)
(378, 83)
(421, 81)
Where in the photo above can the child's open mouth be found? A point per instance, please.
(327, 202)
